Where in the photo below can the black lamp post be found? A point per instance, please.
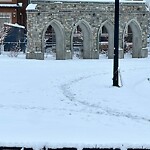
(116, 45)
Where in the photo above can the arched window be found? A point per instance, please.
(106, 39)
(132, 39)
(84, 37)
(54, 40)
(50, 43)
(78, 43)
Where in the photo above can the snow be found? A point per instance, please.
(20, 4)
(14, 25)
(73, 103)
(9, 5)
(31, 7)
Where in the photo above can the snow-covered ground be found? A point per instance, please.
(73, 103)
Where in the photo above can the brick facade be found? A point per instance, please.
(13, 11)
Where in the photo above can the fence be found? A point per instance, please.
(72, 148)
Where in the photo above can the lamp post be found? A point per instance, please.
(116, 45)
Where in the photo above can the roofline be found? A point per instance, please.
(9, 6)
(87, 1)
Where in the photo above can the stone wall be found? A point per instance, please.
(90, 16)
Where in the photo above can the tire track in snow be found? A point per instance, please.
(33, 108)
(99, 109)
(25, 107)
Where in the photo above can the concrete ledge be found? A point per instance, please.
(30, 55)
(144, 52)
(68, 54)
(121, 53)
(95, 54)
(39, 55)
(35, 55)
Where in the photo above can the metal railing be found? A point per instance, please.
(73, 148)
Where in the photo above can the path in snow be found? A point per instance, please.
(96, 109)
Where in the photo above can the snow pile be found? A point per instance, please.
(9, 5)
(14, 25)
(31, 7)
(73, 102)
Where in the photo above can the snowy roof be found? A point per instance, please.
(20, 4)
(31, 7)
(124, 1)
(9, 5)
(14, 25)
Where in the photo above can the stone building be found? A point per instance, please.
(92, 18)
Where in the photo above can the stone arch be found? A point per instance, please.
(137, 37)
(60, 38)
(87, 38)
(110, 29)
